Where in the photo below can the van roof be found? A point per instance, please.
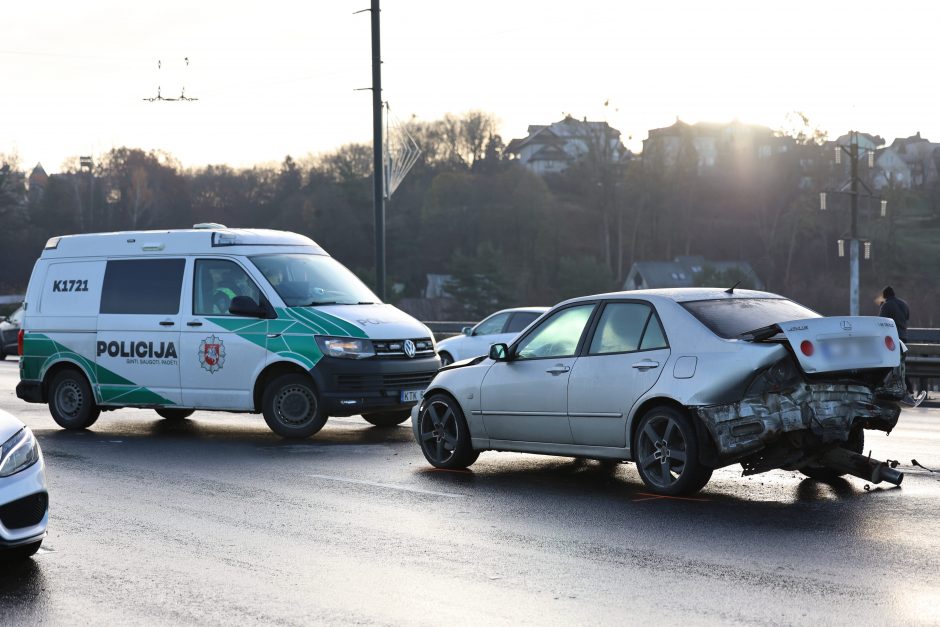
(216, 239)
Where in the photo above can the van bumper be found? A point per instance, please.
(30, 391)
(349, 387)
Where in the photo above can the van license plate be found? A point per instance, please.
(411, 396)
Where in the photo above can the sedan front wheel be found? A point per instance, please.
(444, 435)
(666, 453)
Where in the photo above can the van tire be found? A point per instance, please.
(388, 418)
(173, 414)
(291, 407)
(71, 401)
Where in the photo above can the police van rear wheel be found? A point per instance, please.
(174, 414)
(291, 407)
(71, 401)
(388, 418)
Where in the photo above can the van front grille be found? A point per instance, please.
(350, 383)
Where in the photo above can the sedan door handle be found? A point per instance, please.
(646, 364)
(193, 323)
(166, 323)
(558, 369)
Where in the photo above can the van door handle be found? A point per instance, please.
(646, 364)
(558, 369)
(193, 323)
(166, 323)
(273, 336)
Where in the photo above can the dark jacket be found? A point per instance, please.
(897, 310)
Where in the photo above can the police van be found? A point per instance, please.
(212, 318)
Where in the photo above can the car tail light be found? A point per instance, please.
(19, 343)
(889, 342)
(807, 347)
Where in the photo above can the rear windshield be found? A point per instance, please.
(730, 317)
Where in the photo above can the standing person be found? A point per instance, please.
(899, 311)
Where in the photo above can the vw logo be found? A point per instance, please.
(409, 348)
(846, 325)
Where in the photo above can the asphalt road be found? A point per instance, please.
(218, 521)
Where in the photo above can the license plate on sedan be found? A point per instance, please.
(411, 396)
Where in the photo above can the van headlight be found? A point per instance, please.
(345, 347)
(18, 453)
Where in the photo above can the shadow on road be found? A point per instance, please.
(23, 592)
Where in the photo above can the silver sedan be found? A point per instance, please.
(680, 381)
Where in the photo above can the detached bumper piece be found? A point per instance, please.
(825, 412)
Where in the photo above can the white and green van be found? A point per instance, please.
(242, 320)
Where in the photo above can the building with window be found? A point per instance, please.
(554, 147)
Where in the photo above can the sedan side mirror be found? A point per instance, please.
(499, 352)
(246, 306)
(467, 331)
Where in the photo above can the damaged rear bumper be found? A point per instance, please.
(826, 413)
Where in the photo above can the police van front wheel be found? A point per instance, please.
(71, 401)
(291, 408)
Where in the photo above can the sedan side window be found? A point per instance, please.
(493, 324)
(521, 320)
(621, 329)
(557, 336)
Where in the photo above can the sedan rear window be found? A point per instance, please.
(730, 317)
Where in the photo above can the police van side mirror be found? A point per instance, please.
(246, 306)
(499, 352)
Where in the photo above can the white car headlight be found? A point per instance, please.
(345, 347)
(18, 453)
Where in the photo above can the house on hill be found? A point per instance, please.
(688, 271)
(554, 147)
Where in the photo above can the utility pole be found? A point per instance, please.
(853, 191)
(378, 179)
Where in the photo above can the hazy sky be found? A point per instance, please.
(276, 78)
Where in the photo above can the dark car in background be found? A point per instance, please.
(9, 329)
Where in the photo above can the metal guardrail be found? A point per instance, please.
(12, 299)
(923, 357)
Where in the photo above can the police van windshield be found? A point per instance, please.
(309, 280)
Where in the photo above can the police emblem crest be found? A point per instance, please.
(212, 353)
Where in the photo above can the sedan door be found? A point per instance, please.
(525, 399)
(625, 358)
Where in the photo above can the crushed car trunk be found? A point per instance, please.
(802, 410)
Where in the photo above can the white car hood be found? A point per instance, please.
(8, 426)
(378, 322)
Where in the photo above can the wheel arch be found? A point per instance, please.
(707, 451)
(66, 363)
(271, 372)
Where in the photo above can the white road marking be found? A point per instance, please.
(390, 486)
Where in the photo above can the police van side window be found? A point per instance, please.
(142, 286)
(216, 282)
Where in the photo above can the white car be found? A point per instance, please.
(502, 326)
(680, 381)
(24, 500)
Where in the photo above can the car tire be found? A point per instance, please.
(387, 418)
(20, 553)
(665, 450)
(3, 353)
(856, 444)
(173, 414)
(443, 433)
(71, 401)
(291, 406)
(446, 358)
